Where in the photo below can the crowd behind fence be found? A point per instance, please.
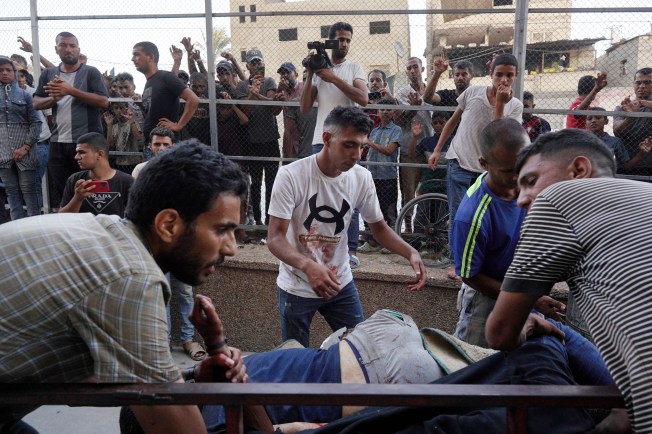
(556, 44)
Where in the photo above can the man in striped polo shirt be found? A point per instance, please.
(486, 230)
(592, 233)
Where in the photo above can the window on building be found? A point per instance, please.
(287, 34)
(324, 31)
(379, 27)
(241, 9)
(252, 8)
(503, 2)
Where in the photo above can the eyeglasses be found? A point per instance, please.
(640, 82)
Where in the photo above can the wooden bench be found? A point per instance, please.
(515, 398)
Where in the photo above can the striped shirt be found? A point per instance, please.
(596, 235)
(81, 296)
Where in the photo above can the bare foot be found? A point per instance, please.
(450, 273)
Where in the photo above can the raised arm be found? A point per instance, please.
(429, 94)
(356, 92)
(308, 94)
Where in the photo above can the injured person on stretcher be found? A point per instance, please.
(389, 348)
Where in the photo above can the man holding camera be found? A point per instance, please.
(342, 85)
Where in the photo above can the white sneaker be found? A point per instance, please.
(368, 248)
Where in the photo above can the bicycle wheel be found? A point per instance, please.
(429, 223)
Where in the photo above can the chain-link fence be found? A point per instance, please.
(401, 46)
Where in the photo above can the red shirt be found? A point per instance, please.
(579, 121)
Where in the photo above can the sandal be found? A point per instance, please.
(354, 261)
(195, 351)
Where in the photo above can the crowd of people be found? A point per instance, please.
(139, 221)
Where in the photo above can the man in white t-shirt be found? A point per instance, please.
(311, 207)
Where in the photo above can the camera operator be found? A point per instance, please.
(343, 85)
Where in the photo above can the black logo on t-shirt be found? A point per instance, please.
(336, 217)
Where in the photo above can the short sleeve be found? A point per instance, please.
(242, 89)
(282, 202)
(96, 83)
(463, 98)
(368, 200)
(468, 248)
(546, 252)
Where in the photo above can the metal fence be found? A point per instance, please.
(557, 42)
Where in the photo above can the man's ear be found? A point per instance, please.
(168, 225)
(581, 167)
(483, 163)
(326, 137)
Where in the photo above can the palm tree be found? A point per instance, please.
(220, 41)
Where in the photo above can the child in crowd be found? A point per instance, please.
(587, 89)
(425, 148)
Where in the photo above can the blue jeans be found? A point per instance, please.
(20, 185)
(458, 180)
(186, 303)
(43, 149)
(343, 310)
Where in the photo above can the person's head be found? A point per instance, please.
(438, 121)
(187, 204)
(199, 84)
(184, 77)
(585, 85)
(462, 75)
(414, 70)
(113, 88)
(386, 114)
(255, 62)
(528, 103)
(7, 70)
(500, 142)
(120, 110)
(504, 69)
(288, 73)
(92, 151)
(343, 32)
(145, 55)
(345, 132)
(67, 48)
(126, 86)
(22, 78)
(19, 61)
(561, 156)
(595, 122)
(160, 138)
(224, 70)
(376, 80)
(643, 83)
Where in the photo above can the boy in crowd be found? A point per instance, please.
(587, 89)
(534, 125)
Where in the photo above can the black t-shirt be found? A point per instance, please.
(161, 99)
(448, 98)
(112, 202)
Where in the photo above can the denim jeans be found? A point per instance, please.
(458, 180)
(20, 185)
(343, 310)
(186, 303)
(43, 149)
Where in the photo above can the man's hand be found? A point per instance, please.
(419, 281)
(550, 307)
(185, 41)
(222, 368)
(205, 319)
(167, 123)
(440, 65)
(434, 159)
(414, 98)
(600, 81)
(322, 280)
(535, 325)
(24, 45)
(19, 153)
(254, 87)
(628, 105)
(645, 146)
(326, 75)
(176, 53)
(58, 88)
(228, 56)
(108, 118)
(503, 94)
(83, 189)
(417, 129)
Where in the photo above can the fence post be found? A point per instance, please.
(520, 44)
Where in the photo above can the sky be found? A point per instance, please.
(108, 43)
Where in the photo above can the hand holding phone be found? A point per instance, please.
(100, 186)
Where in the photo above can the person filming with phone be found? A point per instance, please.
(98, 188)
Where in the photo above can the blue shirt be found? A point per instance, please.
(384, 136)
(485, 232)
(618, 148)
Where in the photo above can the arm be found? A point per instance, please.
(429, 95)
(404, 117)
(357, 92)
(59, 88)
(391, 241)
(485, 284)
(385, 150)
(505, 323)
(322, 280)
(82, 191)
(27, 47)
(176, 54)
(291, 137)
(600, 83)
(643, 151)
(622, 126)
(188, 111)
(446, 132)
(236, 68)
(308, 94)
(200, 63)
(108, 120)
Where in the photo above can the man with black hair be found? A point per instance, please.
(92, 155)
(581, 228)
(94, 309)
(587, 89)
(312, 203)
(161, 105)
(75, 92)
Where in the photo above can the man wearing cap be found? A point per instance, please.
(294, 122)
(227, 80)
(262, 131)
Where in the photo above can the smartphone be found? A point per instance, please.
(100, 186)
(375, 95)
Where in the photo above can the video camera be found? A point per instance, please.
(319, 59)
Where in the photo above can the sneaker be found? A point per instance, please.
(368, 248)
(384, 251)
